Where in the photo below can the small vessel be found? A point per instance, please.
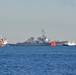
(70, 44)
(3, 42)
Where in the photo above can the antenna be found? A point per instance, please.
(43, 33)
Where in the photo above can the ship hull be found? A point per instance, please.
(68, 45)
(1, 45)
(38, 44)
(29, 44)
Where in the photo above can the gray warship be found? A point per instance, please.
(40, 41)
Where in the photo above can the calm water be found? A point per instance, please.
(37, 60)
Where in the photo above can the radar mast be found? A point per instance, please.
(43, 33)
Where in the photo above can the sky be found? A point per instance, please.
(21, 19)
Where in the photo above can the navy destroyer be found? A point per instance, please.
(40, 41)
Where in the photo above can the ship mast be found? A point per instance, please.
(43, 33)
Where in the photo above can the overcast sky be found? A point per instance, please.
(21, 19)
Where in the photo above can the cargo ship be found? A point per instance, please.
(40, 41)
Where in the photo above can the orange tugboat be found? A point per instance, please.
(3, 42)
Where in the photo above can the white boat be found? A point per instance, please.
(3, 41)
(70, 44)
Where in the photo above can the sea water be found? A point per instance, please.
(38, 60)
